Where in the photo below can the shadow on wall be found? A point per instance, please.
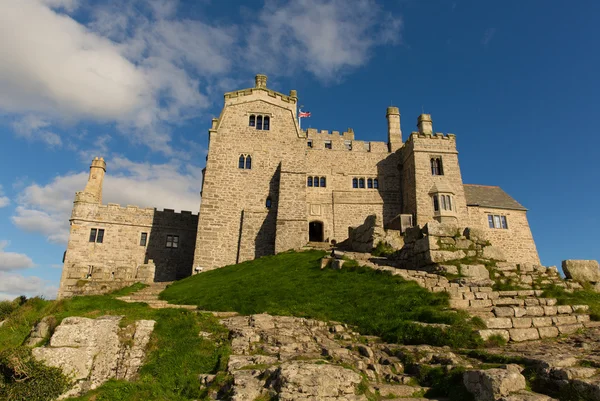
(171, 244)
(388, 173)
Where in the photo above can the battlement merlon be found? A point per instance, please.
(313, 133)
(260, 91)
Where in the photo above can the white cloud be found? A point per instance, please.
(4, 201)
(34, 127)
(13, 260)
(46, 209)
(14, 285)
(325, 37)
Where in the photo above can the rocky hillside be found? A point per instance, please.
(284, 328)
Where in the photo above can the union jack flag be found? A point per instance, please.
(304, 114)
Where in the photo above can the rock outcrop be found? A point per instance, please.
(583, 271)
(92, 351)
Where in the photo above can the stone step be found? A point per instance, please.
(535, 333)
(538, 321)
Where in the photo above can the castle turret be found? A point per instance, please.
(424, 124)
(394, 131)
(93, 188)
(260, 81)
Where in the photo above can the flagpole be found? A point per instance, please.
(300, 118)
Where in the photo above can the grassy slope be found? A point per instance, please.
(177, 354)
(293, 284)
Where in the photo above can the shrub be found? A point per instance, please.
(22, 378)
(383, 249)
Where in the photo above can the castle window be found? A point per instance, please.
(436, 166)
(443, 199)
(323, 182)
(309, 143)
(361, 182)
(266, 121)
(242, 161)
(252, 121)
(259, 122)
(327, 144)
(245, 162)
(143, 239)
(316, 181)
(449, 202)
(375, 183)
(497, 221)
(268, 203)
(355, 183)
(348, 145)
(97, 235)
(248, 162)
(436, 204)
(309, 182)
(172, 241)
(370, 183)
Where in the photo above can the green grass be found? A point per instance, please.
(177, 354)
(376, 302)
(587, 296)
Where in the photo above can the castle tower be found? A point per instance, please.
(93, 189)
(260, 81)
(394, 131)
(424, 124)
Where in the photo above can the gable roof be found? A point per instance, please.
(490, 196)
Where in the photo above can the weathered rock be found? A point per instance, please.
(444, 256)
(436, 229)
(394, 390)
(477, 271)
(40, 331)
(92, 351)
(491, 384)
(581, 270)
(475, 234)
(527, 396)
(493, 253)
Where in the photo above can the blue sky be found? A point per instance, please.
(138, 83)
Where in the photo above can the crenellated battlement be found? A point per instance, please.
(260, 87)
(313, 133)
(414, 136)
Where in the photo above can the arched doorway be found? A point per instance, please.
(315, 231)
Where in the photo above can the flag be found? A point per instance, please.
(304, 114)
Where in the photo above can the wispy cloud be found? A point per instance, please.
(4, 201)
(488, 36)
(14, 285)
(13, 260)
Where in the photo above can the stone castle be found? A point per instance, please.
(270, 186)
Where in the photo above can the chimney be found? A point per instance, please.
(394, 132)
(260, 81)
(424, 124)
(94, 185)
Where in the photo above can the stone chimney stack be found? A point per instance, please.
(424, 124)
(394, 132)
(260, 81)
(93, 188)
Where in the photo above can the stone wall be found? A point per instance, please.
(516, 241)
(121, 259)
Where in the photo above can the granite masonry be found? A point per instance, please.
(270, 186)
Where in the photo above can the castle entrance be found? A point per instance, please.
(315, 231)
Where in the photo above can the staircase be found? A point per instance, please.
(149, 295)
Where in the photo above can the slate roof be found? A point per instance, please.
(490, 196)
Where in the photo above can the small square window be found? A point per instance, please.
(348, 145)
(309, 143)
(327, 144)
(100, 237)
(504, 223)
(143, 239)
(172, 241)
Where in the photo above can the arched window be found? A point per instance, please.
(248, 162)
(259, 122)
(242, 161)
(361, 182)
(449, 202)
(323, 182)
(268, 203)
(355, 183)
(316, 181)
(436, 203)
(309, 182)
(252, 121)
(436, 166)
(266, 121)
(370, 183)
(375, 183)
